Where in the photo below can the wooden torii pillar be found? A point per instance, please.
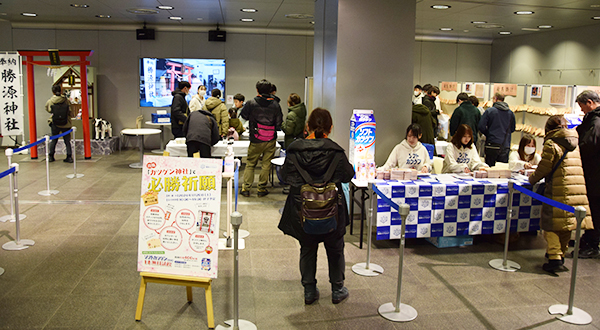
(83, 63)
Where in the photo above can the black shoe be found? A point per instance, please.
(310, 296)
(590, 253)
(245, 193)
(554, 266)
(68, 160)
(51, 158)
(562, 259)
(337, 296)
(263, 193)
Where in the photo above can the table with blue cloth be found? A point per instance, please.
(454, 208)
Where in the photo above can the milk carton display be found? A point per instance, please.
(362, 143)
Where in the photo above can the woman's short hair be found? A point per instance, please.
(525, 140)
(474, 100)
(554, 122)
(216, 92)
(320, 122)
(414, 129)
(462, 130)
(294, 99)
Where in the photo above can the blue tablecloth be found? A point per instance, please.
(463, 207)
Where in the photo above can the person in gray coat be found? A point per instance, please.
(201, 132)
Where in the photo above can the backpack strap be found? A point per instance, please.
(307, 177)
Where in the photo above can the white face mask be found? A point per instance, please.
(529, 150)
(202, 93)
(417, 93)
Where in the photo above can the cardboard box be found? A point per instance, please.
(161, 118)
(451, 241)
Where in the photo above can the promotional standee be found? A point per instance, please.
(179, 216)
(362, 144)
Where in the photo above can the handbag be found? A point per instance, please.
(542, 187)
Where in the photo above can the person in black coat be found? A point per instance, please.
(315, 155)
(429, 101)
(179, 108)
(201, 132)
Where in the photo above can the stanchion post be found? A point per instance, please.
(18, 244)
(569, 313)
(402, 312)
(504, 264)
(236, 323)
(47, 192)
(367, 268)
(12, 216)
(74, 155)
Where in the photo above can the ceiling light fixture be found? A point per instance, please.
(442, 7)
(299, 16)
(103, 16)
(176, 18)
(165, 7)
(312, 22)
(79, 6)
(529, 29)
(505, 32)
(29, 14)
(595, 6)
(545, 26)
(248, 10)
(596, 17)
(478, 22)
(199, 18)
(247, 19)
(524, 12)
(142, 11)
(445, 29)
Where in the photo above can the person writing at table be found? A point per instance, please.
(410, 153)
(525, 157)
(461, 154)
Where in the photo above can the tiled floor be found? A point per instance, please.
(81, 273)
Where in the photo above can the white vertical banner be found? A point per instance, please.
(150, 78)
(179, 216)
(11, 95)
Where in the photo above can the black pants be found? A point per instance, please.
(195, 146)
(66, 138)
(591, 237)
(496, 155)
(177, 131)
(334, 245)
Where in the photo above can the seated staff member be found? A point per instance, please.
(461, 154)
(525, 157)
(410, 153)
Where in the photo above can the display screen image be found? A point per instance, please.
(160, 76)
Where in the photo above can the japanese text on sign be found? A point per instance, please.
(11, 99)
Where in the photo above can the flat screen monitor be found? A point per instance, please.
(161, 76)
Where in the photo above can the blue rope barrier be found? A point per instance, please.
(386, 199)
(61, 134)
(30, 145)
(7, 172)
(236, 184)
(543, 199)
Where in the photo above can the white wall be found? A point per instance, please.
(283, 59)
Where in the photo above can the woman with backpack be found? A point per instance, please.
(313, 162)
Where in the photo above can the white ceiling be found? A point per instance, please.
(271, 14)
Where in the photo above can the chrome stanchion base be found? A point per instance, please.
(242, 325)
(48, 192)
(498, 264)
(241, 233)
(579, 316)
(73, 176)
(362, 270)
(1, 270)
(22, 245)
(136, 165)
(406, 313)
(223, 244)
(11, 218)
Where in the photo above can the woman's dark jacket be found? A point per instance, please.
(315, 157)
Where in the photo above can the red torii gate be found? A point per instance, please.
(83, 63)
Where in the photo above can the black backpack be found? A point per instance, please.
(60, 113)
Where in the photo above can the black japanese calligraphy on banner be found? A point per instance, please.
(11, 95)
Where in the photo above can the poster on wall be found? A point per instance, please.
(11, 98)
(506, 89)
(468, 88)
(479, 90)
(450, 86)
(179, 216)
(558, 95)
(536, 92)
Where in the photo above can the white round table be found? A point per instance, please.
(162, 135)
(140, 132)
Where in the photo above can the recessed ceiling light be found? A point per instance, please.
(465, 31)
(489, 26)
(299, 16)
(247, 19)
(524, 12)
(29, 14)
(176, 18)
(248, 10)
(595, 6)
(445, 29)
(142, 11)
(79, 6)
(596, 17)
(311, 22)
(545, 26)
(529, 29)
(505, 32)
(103, 16)
(478, 22)
(3, 14)
(199, 18)
(440, 6)
(164, 7)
